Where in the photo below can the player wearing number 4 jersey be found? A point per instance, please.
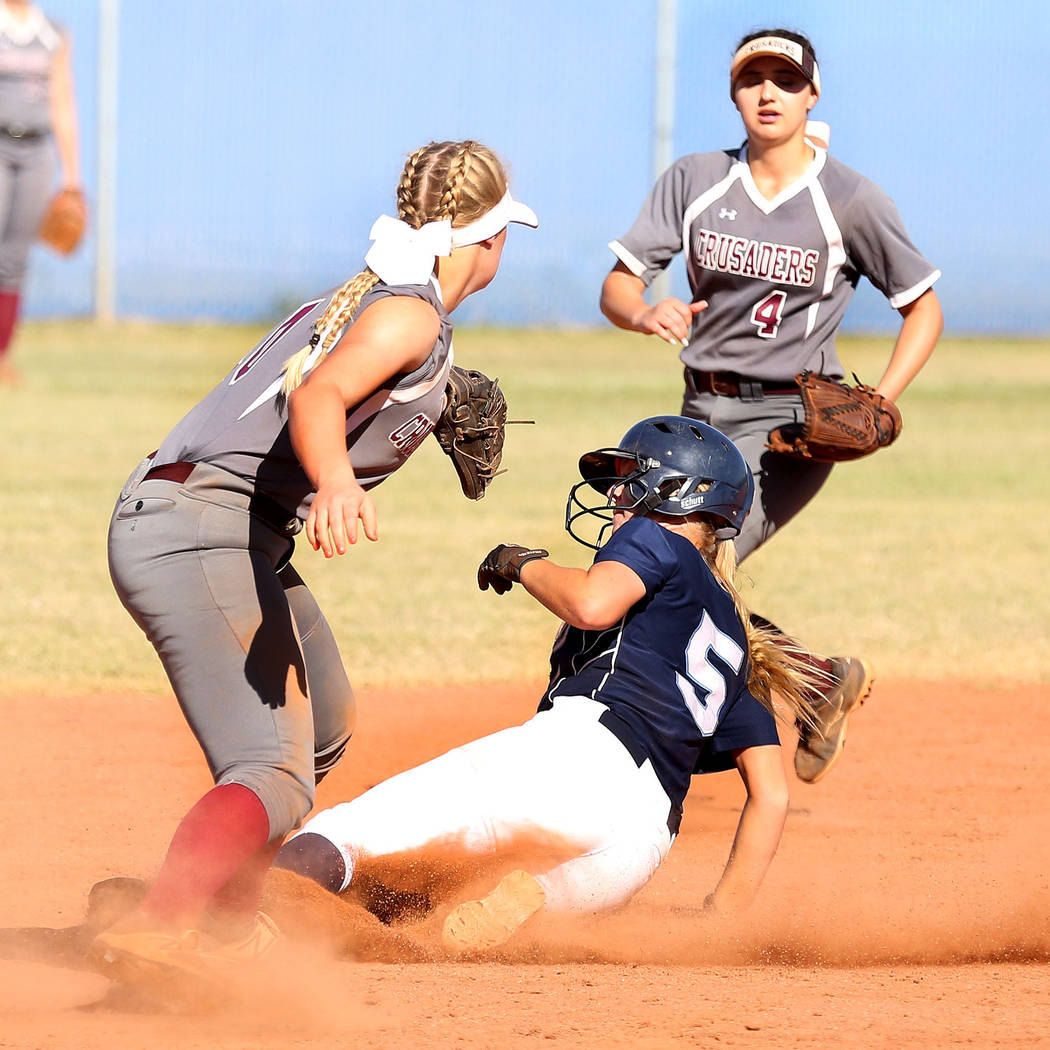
(656, 674)
(776, 235)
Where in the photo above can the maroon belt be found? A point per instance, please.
(729, 384)
(170, 472)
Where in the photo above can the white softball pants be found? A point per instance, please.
(561, 774)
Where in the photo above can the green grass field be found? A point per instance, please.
(928, 557)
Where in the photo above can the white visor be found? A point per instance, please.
(402, 254)
(495, 219)
(779, 47)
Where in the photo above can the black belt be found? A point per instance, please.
(619, 729)
(22, 134)
(729, 384)
(264, 508)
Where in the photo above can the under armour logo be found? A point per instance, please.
(727, 213)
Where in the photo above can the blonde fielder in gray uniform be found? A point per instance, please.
(38, 121)
(330, 403)
(776, 235)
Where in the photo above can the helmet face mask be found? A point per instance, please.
(604, 478)
(667, 464)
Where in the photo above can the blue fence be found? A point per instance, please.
(257, 140)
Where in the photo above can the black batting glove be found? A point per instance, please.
(501, 568)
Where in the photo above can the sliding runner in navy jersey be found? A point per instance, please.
(657, 674)
(327, 406)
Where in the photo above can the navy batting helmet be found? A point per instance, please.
(671, 465)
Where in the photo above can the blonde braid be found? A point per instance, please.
(337, 315)
(408, 189)
(458, 171)
(347, 299)
(421, 198)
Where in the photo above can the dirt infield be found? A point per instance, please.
(909, 905)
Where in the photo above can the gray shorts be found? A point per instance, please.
(783, 484)
(248, 652)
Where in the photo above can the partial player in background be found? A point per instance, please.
(328, 405)
(656, 674)
(37, 119)
(776, 235)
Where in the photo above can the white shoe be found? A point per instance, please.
(487, 923)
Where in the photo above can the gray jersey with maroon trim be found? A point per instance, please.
(777, 274)
(26, 52)
(242, 425)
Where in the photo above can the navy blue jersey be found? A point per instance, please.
(673, 672)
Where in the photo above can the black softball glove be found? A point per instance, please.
(501, 568)
(470, 429)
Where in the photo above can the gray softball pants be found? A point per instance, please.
(27, 173)
(250, 656)
(783, 484)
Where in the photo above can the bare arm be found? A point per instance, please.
(393, 335)
(921, 328)
(64, 115)
(624, 304)
(591, 599)
(759, 830)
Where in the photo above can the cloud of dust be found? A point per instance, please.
(989, 907)
(985, 906)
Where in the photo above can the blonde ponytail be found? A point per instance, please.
(775, 666)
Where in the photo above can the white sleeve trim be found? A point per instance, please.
(632, 262)
(913, 293)
(836, 249)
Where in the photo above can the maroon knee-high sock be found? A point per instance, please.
(237, 902)
(9, 302)
(223, 831)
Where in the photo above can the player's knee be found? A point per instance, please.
(314, 857)
(286, 796)
(328, 756)
(334, 709)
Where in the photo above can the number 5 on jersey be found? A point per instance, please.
(707, 639)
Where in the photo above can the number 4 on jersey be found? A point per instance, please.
(767, 314)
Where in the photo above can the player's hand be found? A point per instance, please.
(501, 567)
(331, 524)
(671, 320)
